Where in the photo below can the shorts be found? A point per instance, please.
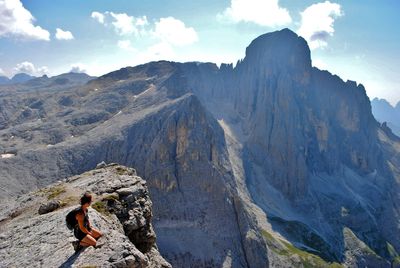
(79, 234)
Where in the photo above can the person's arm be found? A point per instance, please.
(80, 219)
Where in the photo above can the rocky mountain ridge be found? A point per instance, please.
(385, 112)
(268, 163)
(18, 78)
(121, 210)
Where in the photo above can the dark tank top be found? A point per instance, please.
(85, 220)
(77, 231)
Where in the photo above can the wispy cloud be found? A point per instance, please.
(78, 68)
(261, 12)
(317, 23)
(98, 16)
(122, 23)
(63, 35)
(174, 32)
(125, 24)
(16, 21)
(29, 68)
(168, 32)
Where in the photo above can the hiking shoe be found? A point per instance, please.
(77, 246)
(99, 245)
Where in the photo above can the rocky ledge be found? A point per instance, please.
(121, 209)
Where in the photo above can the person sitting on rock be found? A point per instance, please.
(86, 234)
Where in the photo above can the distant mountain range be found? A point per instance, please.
(18, 78)
(66, 78)
(385, 112)
(271, 163)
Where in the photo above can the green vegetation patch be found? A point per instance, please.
(69, 200)
(267, 235)
(110, 197)
(101, 207)
(396, 261)
(55, 191)
(52, 192)
(305, 235)
(307, 259)
(393, 253)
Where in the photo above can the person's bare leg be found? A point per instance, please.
(96, 233)
(87, 241)
(83, 244)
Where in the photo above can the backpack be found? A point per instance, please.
(70, 219)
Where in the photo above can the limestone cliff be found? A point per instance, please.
(122, 210)
(268, 163)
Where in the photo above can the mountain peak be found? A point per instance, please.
(397, 107)
(21, 78)
(282, 48)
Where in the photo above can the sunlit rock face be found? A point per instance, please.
(384, 112)
(121, 210)
(269, 163)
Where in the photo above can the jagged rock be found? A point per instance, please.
(102, 164)
(272, 138)
(385, 112)
(49, 206)
(359, 254)
(47, 236)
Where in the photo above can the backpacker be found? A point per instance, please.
(70, 219)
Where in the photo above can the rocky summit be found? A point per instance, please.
(384, 112)
(31, 236)
(269, 163)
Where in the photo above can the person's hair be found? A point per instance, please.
(86, 198)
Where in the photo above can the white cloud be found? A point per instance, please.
(42, 70)
(174, 31)
(17, 21)
(126, 45)
(63, 35)
(2, 72)
(25, 67)
(141, 21)
(170, 30)
(123, 23)
(78, 68)
(98, 16)
(261, 12)
(29, 68)
(317, 23)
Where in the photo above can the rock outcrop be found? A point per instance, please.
(384, 112)
(122, 210)
(268, 163)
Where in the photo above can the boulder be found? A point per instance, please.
(49, 206)
(47, 236)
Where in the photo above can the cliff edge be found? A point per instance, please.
(33, 231)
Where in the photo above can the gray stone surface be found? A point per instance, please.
(242, 163)
(384, 112)
(49, 206)
(31, 240)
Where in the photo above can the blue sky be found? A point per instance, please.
(358, 40)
